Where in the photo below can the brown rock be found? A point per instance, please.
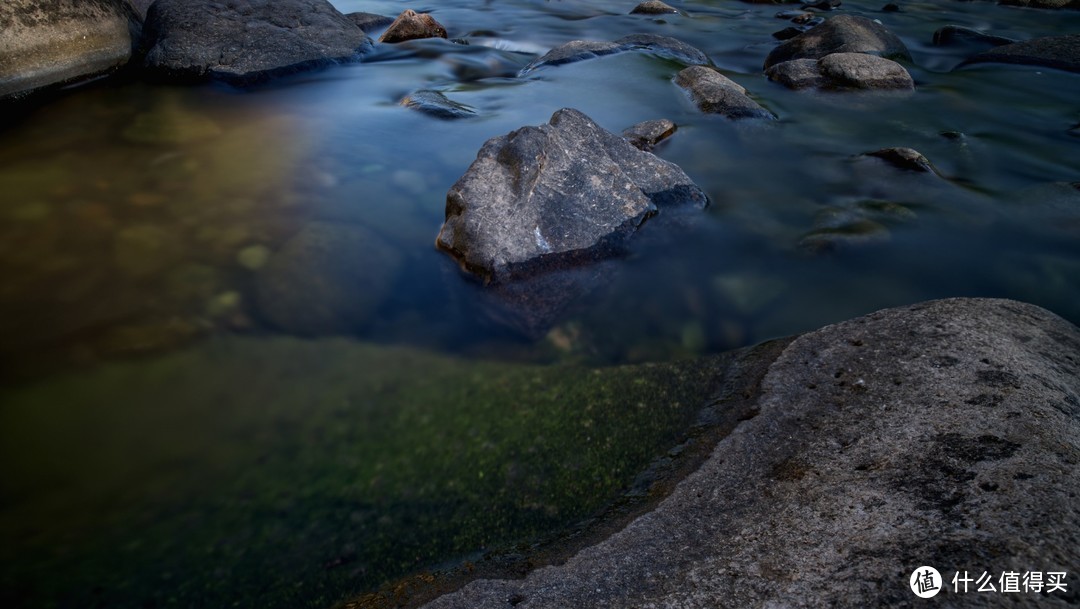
(647, 134)
(411, 25)
(64, 41)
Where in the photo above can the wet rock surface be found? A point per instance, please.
(714, 93)
(369, 22)
(247, 40)
(653, 7)
(841, 34)
(62, 42)
(579, 50)
(944, 433)
(843, 71)
(904, 158)
(551, 196)
(411, 25)
(1060, 52)
(645, 135)
(958, 34)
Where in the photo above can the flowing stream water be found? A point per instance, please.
(168, 439)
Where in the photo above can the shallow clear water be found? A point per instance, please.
(134, 219)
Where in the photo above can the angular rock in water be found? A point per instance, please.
(436, 104)
(550, 197)
(579, 50)
(411, 25)
(1059, 52)
(645, 135)
(62, 42)
(904, 158)
(959, 425)
(327, 279)
(715, 93)
(841, 34)
(958, 34)
(246, 41)
(369, 22)
(653, 7)
(842, 71)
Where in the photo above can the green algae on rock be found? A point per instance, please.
(289, 473)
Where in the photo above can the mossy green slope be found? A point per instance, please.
(288, 473)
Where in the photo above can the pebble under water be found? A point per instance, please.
(169, 439)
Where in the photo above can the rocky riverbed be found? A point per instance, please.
(575, 190)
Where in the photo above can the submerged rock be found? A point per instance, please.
(922, 435)
(549, 197)
(436, 104)
(714, 93)
(647, 134)
(62, 42)
(841, 34)
(579, 50)
(411, 25)
(958, 34)
(904, 158)
(245, 41)
(369, 22)
(327, 279)
(1052, 208)
(843, 71)
(169, 126)
(653, 7)
(1059, 52)
(841, 232)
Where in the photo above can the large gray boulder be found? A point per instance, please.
(843, 71)
(714, 93)
(579, 50)
(245, 41)
(1060, 52)
(548, 197)
(841, 34)
(62, 41)
(944, 434)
